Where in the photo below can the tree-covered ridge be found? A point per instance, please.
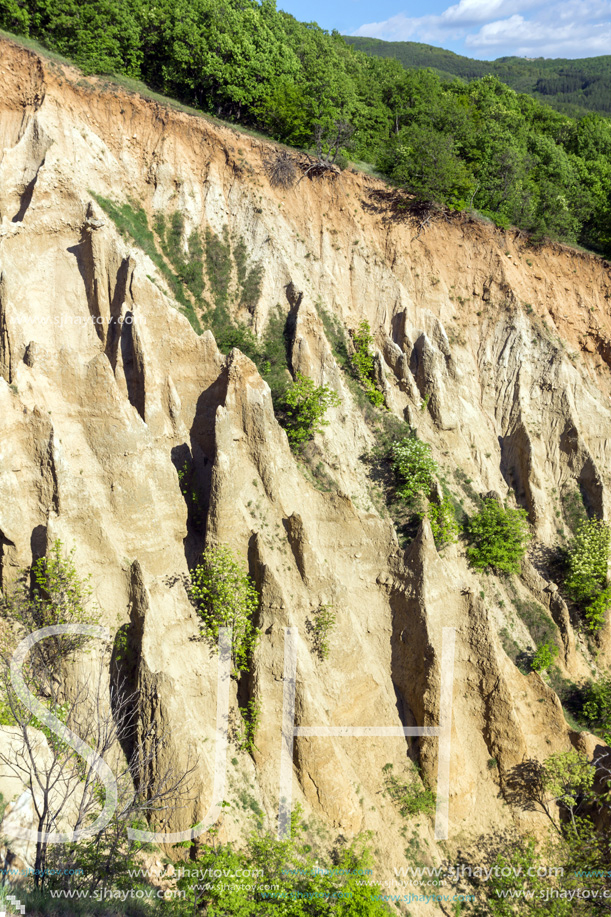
(571, 86)
(477, 144)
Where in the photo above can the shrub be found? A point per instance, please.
(587, 562)
(443, 522)
(51, 593)
(588, 557)
(308, 880)
(324, 622)
(251, 716)
(225, 596)
(499, 537)
(363, 363)
(543, 658)
(303, 409)
(411, 796)
(597, 706)
(414, 466)
(596, 610)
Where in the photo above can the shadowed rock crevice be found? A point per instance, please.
(26, 199)
(195, 463)
(117, 301)
(132, 355)
(5, 341)
(516, 466)
(127, 656)
(83, 252)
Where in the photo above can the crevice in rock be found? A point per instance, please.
(83, 252)
(516, 466)
(584, 468)
(115, 325)
(5, 341)
(49, 473)
(591, 487)
(26, 197)
(39, 541)
(133, 364)
(300, 546)
(200, 457)
(126, 659)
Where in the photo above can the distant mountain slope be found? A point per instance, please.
(572, 86)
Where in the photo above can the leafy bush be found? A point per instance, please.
(588, 557)
(251, 716)
(324, 622)
(414, 467)
(363, 363)
(412, 796)
(499, 537)
(587, 562)
(443, 522)
(543, 658)
(225, 596)
(597, 706)
(303, 409)
(51, 593)
(305, 881)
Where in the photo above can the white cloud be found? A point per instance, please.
(397, 28)
(534, 28)
(469, 12)
(539, 40)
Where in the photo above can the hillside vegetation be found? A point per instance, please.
(571, 86)
(479, 145)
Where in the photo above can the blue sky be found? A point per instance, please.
(484, 29)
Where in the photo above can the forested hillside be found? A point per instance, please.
(478, 145)
(571, 86)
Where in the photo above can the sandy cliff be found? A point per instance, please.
(498, 353)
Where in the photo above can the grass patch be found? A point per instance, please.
(573, 508)
(540, 626)
(465, 482)
(132, 222)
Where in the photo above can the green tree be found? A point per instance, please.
(303, 409)
(51, 592)
(414, 467)
(286, 879)
(597, 706)
(587, 563)
(444, 524)
(363, 362)
(14, 16)
(425, 161)
(544, 657)
(101, 37)
(225, 596)
(498, 537)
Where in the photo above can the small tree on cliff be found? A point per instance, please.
(498, 537)
(225, 596)
(76, 747)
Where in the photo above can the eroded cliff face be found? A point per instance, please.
(497, 353)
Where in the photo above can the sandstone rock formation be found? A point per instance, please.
(497, 353)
